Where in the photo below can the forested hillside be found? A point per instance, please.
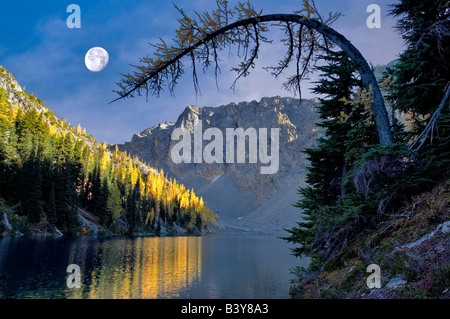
(388, 205)
(242, 196)
(49, 170)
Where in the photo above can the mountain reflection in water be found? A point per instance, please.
(228, 266)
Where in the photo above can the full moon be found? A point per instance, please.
(96, 59)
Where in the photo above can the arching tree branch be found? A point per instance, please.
(151, 78)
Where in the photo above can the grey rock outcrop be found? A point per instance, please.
(234, 190)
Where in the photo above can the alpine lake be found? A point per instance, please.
(219, 266)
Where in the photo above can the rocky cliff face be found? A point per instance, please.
(16, 95)
(234, 189)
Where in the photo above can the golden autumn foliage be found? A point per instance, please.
(125, 194)
(102, 178)
(175, 199)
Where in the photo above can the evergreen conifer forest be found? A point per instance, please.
(50, 170)
(378, 178)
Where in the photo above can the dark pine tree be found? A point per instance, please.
(421, 75)
(31, 189)
(50, 206)
(132, 208)
(347, 131)
(99, 196)
(105, 216)
(65, 214)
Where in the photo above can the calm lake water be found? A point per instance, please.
(214, 266)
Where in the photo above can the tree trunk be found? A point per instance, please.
(367, 76)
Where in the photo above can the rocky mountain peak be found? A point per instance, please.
(153, 130)
(247, 188)
(16, 94)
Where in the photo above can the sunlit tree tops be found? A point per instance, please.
(93, 172)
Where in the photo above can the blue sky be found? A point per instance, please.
(48, 58)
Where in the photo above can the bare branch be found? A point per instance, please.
(250, 63)
(251, 25)
(433, 120)
(194, 74)
(276, 71)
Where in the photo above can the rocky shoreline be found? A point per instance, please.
(13, 225)
(412, 250)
